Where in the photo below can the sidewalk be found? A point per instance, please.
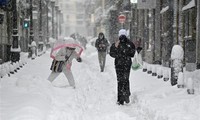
(158, 100)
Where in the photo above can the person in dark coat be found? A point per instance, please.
(123, 50)
(102, 45)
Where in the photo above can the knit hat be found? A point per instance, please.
(122, 32)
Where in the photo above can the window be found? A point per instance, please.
(79, 16)
(189, 21)
(67, 17)
(79, 22)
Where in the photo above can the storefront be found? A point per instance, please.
(189, 32)
(5, 42)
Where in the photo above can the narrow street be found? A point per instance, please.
(93, 98)
(164, 77)
(27, 95)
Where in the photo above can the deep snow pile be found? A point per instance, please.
(28, 95)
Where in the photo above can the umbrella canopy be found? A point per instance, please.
(63, 43)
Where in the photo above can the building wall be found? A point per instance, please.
(4, 41)
(73, 14)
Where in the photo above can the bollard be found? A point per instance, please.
(11, 67)
(159, 72)
(154, 71)
(190, 86)
(1, 74)
(3, 71)
(20, 64)
(180, 80)
(17, 65)
(166, 75)
(144, 67)
(7, 69)
(149, 71)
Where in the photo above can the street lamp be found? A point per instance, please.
(40, 46)
(31, 38)
(15, 48)
(53, 10)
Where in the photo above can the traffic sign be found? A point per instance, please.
(122, 18)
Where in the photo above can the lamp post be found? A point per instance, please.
(31, 37)
(56, 22)
(47, 19)
(40, 28)
(53, 14)
(15, 48)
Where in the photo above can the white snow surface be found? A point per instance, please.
(27, 95)
(177, 52)
(189, 5)
(164, 9)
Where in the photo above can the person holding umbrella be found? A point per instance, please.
(63, 53)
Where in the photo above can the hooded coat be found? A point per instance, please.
(123, 54)
(65, 51)
(101, 43)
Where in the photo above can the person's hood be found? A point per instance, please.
(101, 34)
(122, 32)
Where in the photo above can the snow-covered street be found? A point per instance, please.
(28, 95)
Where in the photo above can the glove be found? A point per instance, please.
(79, 59)
(139, 49)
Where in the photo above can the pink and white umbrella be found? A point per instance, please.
(63, 43)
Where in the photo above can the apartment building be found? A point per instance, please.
(74, 17)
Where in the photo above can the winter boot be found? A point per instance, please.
(120, 100)
(127, 99)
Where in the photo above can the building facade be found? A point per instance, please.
(73, 16)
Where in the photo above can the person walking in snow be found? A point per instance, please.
(64, 56)
(33, 49)
(123, 50)
(102, 45)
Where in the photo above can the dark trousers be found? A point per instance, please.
(102, 60)
(123, 85)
